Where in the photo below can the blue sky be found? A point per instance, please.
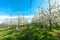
(27, 7)
(8, 7)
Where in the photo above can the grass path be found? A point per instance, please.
(56, 33)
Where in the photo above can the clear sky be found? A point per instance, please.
(27, 7)
(8, 7)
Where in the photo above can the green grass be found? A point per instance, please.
(28, 32)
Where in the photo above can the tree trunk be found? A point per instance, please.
(50, 15)
(50, 24)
